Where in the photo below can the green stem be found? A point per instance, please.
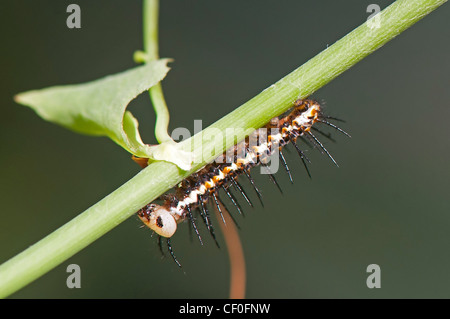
(158, 177)
(162, 114)
(150, 30)
(151, 8)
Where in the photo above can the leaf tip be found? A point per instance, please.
(18, 98)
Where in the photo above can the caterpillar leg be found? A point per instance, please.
(205, 214)
(241, 190)
(252, 181)
(272, 178)
(191, 218)
(286, 167)
(301, 154)
(233, 200)
(219, 203)
(169, 247)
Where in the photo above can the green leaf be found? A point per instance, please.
(99, 107)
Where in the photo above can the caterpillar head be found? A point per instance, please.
(159, 219)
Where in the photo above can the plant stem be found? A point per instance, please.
(150, 28)
(158, 177)
(150, 22)
(235, 254)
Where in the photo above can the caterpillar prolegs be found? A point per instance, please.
(202, 187)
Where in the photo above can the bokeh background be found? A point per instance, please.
(387, 203)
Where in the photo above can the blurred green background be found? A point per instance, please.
(387, 203)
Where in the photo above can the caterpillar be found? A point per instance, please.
(202, 187)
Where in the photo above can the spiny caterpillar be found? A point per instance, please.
(203, 186)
